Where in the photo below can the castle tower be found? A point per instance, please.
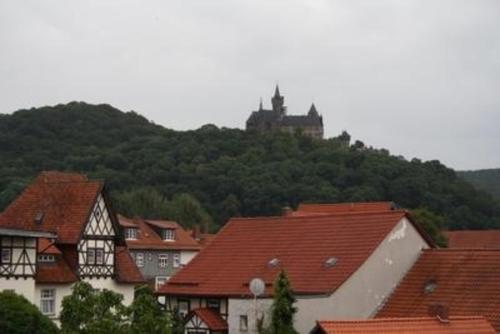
(278, 101)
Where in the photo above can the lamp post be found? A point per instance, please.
(257, 287)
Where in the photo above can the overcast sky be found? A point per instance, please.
(418, 77)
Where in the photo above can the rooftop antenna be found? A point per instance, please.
(257, 288)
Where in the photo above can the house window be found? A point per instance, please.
(162, 260)
(46, 258)
(160, 280)
(47, 301)
(177, 260)
(139, 260)
(91, 256)
(131, 233)
(183, 305)
(6, 255)
(95, 256)
(213, 304)
(99, 256)
(243, 323)
(168, 234)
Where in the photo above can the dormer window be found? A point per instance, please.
(131, 233)
(46, 258)
(168, 234)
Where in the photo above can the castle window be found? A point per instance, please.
(168, 234)
(131, 233)
(162, 260)
(6, 255)
(47, 301)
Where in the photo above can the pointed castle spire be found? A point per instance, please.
(277, 91)
(261, 107)
(313, 111)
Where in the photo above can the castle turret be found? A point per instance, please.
(278, 101)
(313, 111)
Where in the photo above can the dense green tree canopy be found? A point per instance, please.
(226, 172)
(19, 316)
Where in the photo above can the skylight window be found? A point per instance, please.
(430, 286)
(331, 261)
(273, 262)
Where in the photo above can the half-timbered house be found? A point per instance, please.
(59, 230)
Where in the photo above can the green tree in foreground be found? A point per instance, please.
(282, 309)
(19, 316)
(87, 311)
(146, 316)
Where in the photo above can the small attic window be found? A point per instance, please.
(430, 286)
(330, 262)
(39, 217)
(131, 233)
(273, 262)
(168, 234)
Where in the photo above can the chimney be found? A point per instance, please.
(286, 211)
(440, 311)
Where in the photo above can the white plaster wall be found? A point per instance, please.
(360, 296)
(25, 287)
(246, 307)
(187, 256)
(127, 290)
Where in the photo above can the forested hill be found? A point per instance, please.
(485, 179)
(229, 171)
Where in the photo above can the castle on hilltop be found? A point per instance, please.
(264, 120)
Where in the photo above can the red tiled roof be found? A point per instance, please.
(305, 208)
(243, 248)
(126, 270)
(45, 246)
(211, 318)
(466, 281)
(455, 325)
(473, 239)
(64, 199)
(57, 273)
(148, 238)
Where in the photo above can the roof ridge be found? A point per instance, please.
(321, 215)
(405, 319)
(456, 250)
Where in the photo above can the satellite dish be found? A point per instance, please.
(257, 287)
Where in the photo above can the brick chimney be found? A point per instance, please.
(195, 233)
(440, 311)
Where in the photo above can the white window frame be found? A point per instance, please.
(131, 233)
(139, 260)
(160, 280)
(177, 260)
(46, 258)
(168, 234)
(243, 323)
(162, 260)
(6, 255)
(48, 301)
